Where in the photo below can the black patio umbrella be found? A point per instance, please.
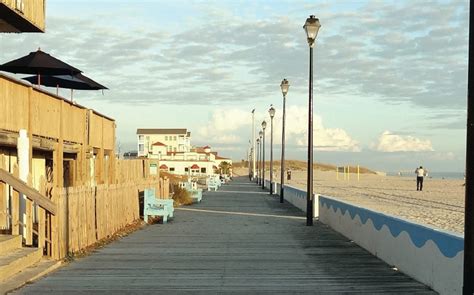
(39, 63)
(79, 82)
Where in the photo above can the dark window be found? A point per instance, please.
(186, 169)
(203, 170)
(171, 169)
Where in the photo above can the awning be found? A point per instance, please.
(194, 166)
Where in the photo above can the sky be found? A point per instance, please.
(390, 77)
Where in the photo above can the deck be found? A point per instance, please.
(239, 239)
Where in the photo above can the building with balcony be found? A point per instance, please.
(200, 161)
(22, 16)
(162, 141)
(172, 147)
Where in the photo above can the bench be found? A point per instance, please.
(157, 207)
(196, 193)
(214, 182)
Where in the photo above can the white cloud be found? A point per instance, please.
(232, 126)
(324, 139)
(389, 142)
(223, 125)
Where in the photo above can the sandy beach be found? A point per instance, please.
(440, 204)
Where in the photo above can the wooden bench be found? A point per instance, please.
(196, 193)
(213, 184)
(157, 207)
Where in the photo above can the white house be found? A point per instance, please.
(163, 141)
(173, 148)
(198, 161)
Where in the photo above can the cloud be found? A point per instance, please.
(389, 142)
(227, 126)
(223, 126)
(420, 58)
(324, 139)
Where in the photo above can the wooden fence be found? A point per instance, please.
(89, 214)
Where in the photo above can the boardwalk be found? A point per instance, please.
(239, 239)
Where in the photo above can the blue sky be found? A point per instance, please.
(390, 76)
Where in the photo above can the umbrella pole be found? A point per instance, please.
(57, 89)
(72, 93)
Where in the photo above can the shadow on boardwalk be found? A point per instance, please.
(239, 239)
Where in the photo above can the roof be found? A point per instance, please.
(195, 166)
(163, 166)
(159, 144)
(221, 158)
(206, 147)
(163, 131)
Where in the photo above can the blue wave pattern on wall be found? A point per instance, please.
(449, 245)
(297, 192)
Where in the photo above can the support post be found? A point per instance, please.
(282, 168)
(309, 180)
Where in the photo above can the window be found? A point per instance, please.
(141, 148)
(140, 137)
(174, 149)
(186, 169)
(171, 169)
(203, 170)
(174, 138)
(166, 137)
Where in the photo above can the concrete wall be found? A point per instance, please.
(431, 256)
(295, 196)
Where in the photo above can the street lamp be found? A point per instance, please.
(311, 27)
(260, 133)
(271, 111)
(253, 144)
(258, 160)
(284, 90)
(264, 125)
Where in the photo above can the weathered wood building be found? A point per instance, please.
(22, 16)
(70, 145)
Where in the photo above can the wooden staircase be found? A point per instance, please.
(20, 265)
(14, 258)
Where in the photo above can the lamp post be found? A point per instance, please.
(311, 27)
(264, 125)
(249, 156)
(262, 157)
(271, 111)
(284, 90)
(468, 272)
(253, 144)
(258, 161)
(260, 133)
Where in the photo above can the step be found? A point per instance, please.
(8, 243)
(29, 275)
(18, 260)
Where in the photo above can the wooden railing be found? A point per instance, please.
(67, 220)
(46, 209)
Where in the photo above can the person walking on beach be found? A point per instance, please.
(420, 175)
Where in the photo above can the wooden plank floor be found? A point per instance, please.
(249, 243)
